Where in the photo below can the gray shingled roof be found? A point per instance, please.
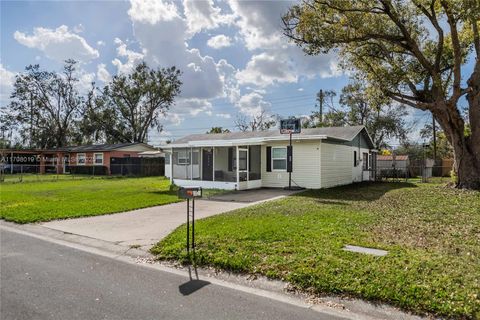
(342, 133)
(99, 147)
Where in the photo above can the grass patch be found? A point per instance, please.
(49, 177)
(43, 201)
(431, 233)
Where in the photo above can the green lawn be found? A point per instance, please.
(432, 233)
(66, 198)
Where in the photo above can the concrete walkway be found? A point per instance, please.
(147, 226)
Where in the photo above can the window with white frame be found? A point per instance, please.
(279, 158)
(81, 158)
(183, 157)
(98, 158)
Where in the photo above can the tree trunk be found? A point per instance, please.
(467, 159)
(466, 164)
(473, 98)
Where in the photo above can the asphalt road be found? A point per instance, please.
(43, 280)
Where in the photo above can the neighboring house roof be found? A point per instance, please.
(390, 158)
(107, 147)
(335, 133)
(151, 154)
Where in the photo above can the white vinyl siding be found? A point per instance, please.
(306, 166)
(337, 164)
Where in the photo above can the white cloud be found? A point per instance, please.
(79, 28)
(58, 44)
(280, 61)
(163, 28)
(85, 81)
(103, 74)
(164, 44)
(223, 115)
(220, 41)
(231, 88)
(101, 43)
(174, 119)
(7, 79)
(265, 70)
(132, 57)
(152, 11)
(184, 108)
(191, 107)
(252, 104)
(260, 22)
(203, 15)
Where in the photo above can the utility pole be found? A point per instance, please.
(320, 100)
(434, 138)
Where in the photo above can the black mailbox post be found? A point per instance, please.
(190, 193)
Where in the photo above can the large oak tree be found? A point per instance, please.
(415, 51)
(136, 102)
(45, 106)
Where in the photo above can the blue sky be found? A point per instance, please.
(234, 58)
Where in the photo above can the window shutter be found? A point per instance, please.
(289, 159)
(269, 159)
(354, 158)
(230, 159)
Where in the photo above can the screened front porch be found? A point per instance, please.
(232, 167)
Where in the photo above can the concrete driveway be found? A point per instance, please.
(147, 226)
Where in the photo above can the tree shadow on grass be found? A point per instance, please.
(363, 191)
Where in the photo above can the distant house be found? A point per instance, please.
(101, 154)
(322, 158)
(152, 154)
(63, 160)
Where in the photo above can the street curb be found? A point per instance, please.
(275, 290)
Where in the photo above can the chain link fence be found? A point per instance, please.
(29, 173)
(416, 173)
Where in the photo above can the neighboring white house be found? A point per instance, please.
(322, 158)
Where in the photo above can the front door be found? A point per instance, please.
(207, 164)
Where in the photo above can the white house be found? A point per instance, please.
(322, 158)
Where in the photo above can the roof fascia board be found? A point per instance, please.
(239, 142)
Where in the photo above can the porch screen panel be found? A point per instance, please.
(224, 158)
(182, 168)
(255, 166)
(195, 164)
